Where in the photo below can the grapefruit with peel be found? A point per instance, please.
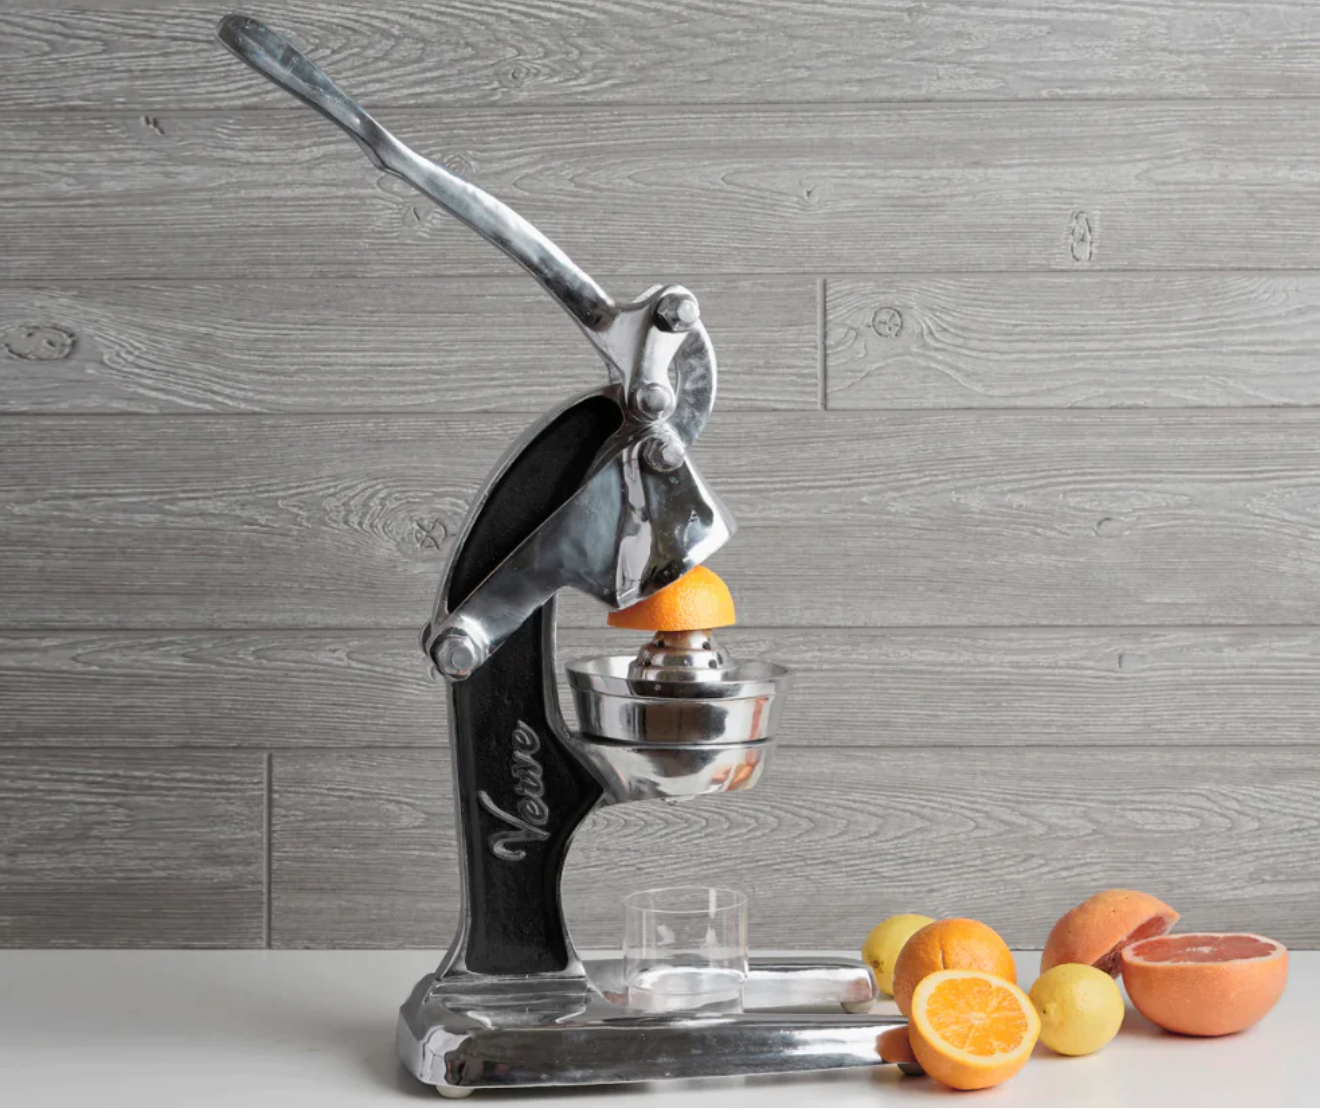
(1205, 984)
(971, 1029)
(1101, 927)
(697, 601)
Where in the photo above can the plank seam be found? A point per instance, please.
(731, 107)
(823, 395)
(86, 632)
(348, 277)
(357, 748)
(58, 283)
(268, 820)
(291, 416)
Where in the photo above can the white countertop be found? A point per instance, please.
(317, 1029)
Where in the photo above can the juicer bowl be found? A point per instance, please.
(656, 732)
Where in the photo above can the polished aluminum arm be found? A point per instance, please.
(658, 356)
(639, 341)
(270, 55)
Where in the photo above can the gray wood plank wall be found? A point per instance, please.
(1018, 319)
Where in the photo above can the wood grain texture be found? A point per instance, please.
(850, 520)
(835, 840)
(135, 849)
(161, 53)
(456, 345)
(1072, 340)
(363, 850)
(806, 190)
(249, 387)
(863, 688)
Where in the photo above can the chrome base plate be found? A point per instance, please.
(475, 1032)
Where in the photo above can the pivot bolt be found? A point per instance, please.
(678, 311)
(456, 654)
(664, 452)
(652, 400)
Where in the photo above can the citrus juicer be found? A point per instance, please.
(599, 495)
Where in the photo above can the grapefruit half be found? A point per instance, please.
(1101, 927)
(1205, 984)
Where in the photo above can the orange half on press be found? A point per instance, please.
(698, 600)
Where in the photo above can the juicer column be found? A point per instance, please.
(520, 791)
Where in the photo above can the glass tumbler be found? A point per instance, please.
(685, 948)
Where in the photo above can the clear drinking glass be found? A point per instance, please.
(685, 948)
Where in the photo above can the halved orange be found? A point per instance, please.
(971, 1029)
(698, 600)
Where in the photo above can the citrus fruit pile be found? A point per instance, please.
(971, 1026)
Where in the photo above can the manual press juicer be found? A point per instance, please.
(599, 495)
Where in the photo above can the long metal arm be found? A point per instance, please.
(271, 56)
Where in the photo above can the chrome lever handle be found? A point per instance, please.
(274, 58)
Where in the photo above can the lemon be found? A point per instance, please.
(885, 943)
(1080, 1008)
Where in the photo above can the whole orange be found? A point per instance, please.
(953, 944)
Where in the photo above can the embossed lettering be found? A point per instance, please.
(528, 824)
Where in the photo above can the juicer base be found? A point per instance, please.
(472, 1032)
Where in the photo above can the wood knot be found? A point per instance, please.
(813, 193)
(518, 75)
(429, 533)
(1081, 238)
(39, 342)
(457, 164)
(887, 322)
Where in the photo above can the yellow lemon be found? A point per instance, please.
(885, 943)
(1080, 1008)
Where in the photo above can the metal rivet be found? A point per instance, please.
(664, 453)
(678, 311)
(653, 399)
(456, 654)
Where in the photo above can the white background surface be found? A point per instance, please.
(317, 1029)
